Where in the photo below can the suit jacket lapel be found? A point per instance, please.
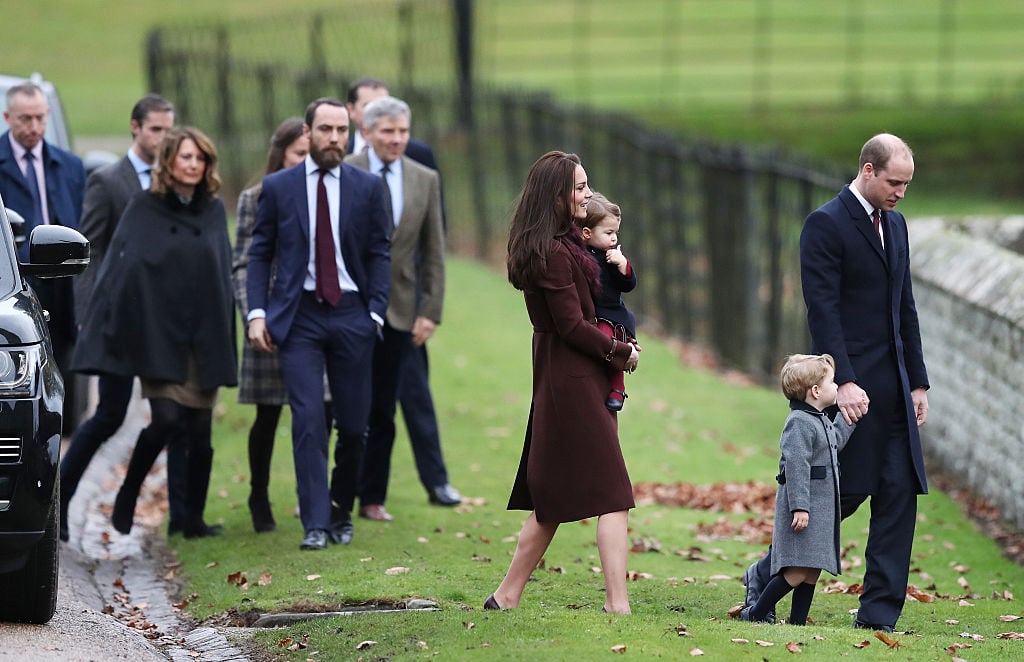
(297, 189)
(862, 222)
(345, 202)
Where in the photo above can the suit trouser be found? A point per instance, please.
(390, 359)
(890, 530)
(421, 418)
(339, 339)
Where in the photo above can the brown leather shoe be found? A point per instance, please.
(375, 511)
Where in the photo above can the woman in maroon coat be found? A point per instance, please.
(572, 466)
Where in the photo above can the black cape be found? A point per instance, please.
(163, 293)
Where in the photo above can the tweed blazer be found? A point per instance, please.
(417, 247)
(809, 481)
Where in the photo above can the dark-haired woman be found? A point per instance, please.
(572, 466)
(260, 381)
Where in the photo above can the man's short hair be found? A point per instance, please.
(384, 107)
(372, 83)
(151, 103)
(802, 371)
(28, 88)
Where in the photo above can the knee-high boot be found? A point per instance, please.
(200, 463)
(147, 448)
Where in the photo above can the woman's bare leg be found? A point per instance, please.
(613, 547)
(533, 542)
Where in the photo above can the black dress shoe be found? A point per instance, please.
(262, 516)
(445, 495)
(315, 539)
(491, 603)
(203, 530)
(340, 533)
(873, 626)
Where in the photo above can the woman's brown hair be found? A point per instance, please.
(542, 213)
(163, 180)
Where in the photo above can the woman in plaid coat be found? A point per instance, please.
(261, 382)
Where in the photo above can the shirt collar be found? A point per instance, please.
(376, 163)
(19, 150)
(312, 168)
(137, 162)
(868, 207)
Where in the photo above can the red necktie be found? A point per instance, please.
(876, 218)
(327, 287)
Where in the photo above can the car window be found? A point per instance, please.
(8, 258)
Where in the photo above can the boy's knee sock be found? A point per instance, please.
(802, 597)
(776, 589)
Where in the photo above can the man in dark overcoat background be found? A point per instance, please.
(855, 272)
(45, 185)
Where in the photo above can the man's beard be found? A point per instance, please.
(327, 158)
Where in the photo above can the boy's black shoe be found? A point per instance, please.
(615, 400)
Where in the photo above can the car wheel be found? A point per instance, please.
(30, 594)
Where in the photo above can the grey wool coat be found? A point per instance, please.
(809, 480)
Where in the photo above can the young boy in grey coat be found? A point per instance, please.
(805, 540)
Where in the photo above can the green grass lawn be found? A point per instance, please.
(679, 425)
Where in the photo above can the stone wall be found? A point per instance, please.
(970, 299)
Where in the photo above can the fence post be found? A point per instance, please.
(728, 239)
(406, 61)
(155, 59)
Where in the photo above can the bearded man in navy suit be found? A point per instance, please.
(326, 228)
(855, 271)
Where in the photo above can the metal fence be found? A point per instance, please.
(713, 229)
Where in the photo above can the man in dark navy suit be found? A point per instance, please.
(326, 226)
(414, 381)
(855, 271)
(45, 185)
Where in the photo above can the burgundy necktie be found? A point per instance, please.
(327, 287)
(876, 218)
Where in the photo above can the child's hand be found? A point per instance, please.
(800, 520)
(615, 256)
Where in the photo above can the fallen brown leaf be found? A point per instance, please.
(976, 637)
(887, 640)
(363, 645)
(740, 641)
(694, 652)
(310, 578)
(863, 644)
(469, 624)
(760, 642)
(264, 579)
(1009, 618)
(794, 647)
(620, 648)
(1016, 636)
(397, 570)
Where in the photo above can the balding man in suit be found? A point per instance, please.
(855, 273)
(417, 295)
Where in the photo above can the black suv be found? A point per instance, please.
(31, 411)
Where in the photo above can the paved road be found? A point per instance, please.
(113, 602)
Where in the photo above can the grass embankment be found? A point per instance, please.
(679, 424)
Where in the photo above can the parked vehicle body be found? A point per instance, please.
(31, 412)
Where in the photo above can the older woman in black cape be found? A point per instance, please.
(167, 316)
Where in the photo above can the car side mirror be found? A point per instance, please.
(55, 251)
(17, 222)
